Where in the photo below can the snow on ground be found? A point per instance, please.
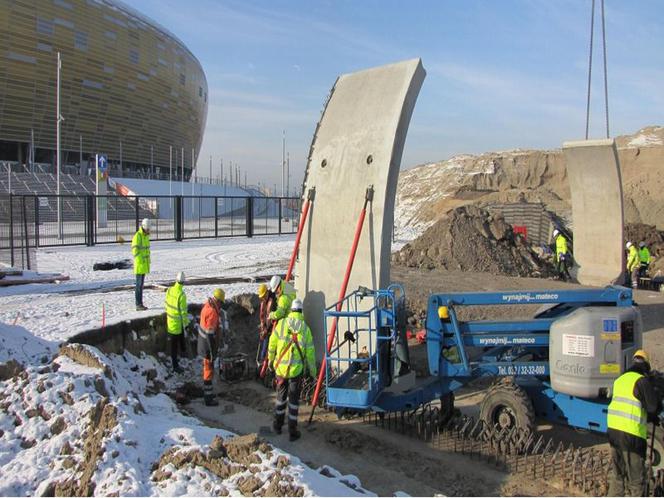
(58, 311)
(65, 424)
(646, 138)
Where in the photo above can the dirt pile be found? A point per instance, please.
(654, 239)
(102, 420)
(471, 239)
(239, 458)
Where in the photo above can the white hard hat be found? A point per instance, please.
(145, 223)
(180, 277)
(628, 245)
(555, 232)
(296, 305)
(274, 283)
(642, 244)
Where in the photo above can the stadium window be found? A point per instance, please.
(205, 96)
(109, 69)
(63, 4)
(133, 55)
(63, 22)
(131, 86)
(93, 84)
(142, 77)
(200, 91)
(23, 58)
(162, 61)
(182, 79)
(81, 40)
(111, 35)
(45, 27)
(44, 47)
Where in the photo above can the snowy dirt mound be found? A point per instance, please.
(471, 239)
(426, 192)
(86, 423)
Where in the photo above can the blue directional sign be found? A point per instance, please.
(103, 164)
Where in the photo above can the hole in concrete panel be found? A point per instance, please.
(323, 163)
(369, 159)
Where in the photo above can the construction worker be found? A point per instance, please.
(562, 255)
(140, 249)
(285, 294)
(212, 327)
(644, 258)
(268, 302)
(633, 264)
(292, 356)
(634, 403)
(177, 319)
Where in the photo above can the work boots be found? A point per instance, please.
(294, 435)
(210, 400)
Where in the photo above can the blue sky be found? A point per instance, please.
(501, 74)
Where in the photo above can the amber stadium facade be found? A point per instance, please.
(129, 89)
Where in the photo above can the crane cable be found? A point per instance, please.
(590, 68)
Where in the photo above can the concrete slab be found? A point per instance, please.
(593, 170)
(358, 143)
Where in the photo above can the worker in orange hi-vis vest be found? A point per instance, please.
(213, 324)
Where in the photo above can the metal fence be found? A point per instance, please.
(28, 222)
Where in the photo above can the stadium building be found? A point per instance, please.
(129, 90)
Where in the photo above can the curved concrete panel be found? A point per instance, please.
(593, 170)
(358, 143)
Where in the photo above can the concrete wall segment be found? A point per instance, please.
(595, 182)
(359, 143)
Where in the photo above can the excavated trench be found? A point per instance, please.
(148, 334)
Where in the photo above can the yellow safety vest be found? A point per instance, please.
(633, 260)
(284, 302)
(140, 249)
(290, 346)
(176, 309)
(625, 412)
(561, 245)
(644, 255)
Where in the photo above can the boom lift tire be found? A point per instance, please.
(507, 405)
(446, 408)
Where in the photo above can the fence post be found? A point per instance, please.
(89, 220)
(36, 221)
(137, 213)
(26, 244)
(11, 228)
(177, 218)
(216, 217)
(250, 217)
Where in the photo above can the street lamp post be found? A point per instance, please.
(57, 148)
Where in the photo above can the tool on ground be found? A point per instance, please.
(311, 194)
(368, 197)
(233, 368)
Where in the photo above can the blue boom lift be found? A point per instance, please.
(563, 361)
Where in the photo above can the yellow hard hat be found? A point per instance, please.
(642, 354)
(219, 295)
(443, 312)
(262, 290)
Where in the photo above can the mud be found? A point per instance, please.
(472, 239)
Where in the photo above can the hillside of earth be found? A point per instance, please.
(427, 192)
